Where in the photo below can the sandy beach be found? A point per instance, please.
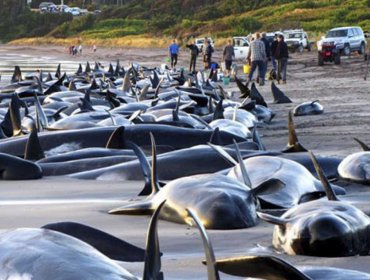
(341, 89)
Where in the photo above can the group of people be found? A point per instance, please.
(207, 51)
(74, 50)
(259, 53)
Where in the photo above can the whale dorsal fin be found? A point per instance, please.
(364, 147)
(324, 180)
(17, 75)
(116, 141)
(208, 249)
(145, 168)
(257, 96)
(216, 137)
(264, 267)
(278, 95)
(33, 149)
(257, 139)
(152, 267)
(225, 155)
(154, 173)
(87, 68)
(244, 90)
(126, 85)
(143, 92)
(15, 115)
(58, 73)
(243, 169)
(219, 111)
(293, 143)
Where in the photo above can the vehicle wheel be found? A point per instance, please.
(337, 59)
(346, 50)
(300, 49)
(320, 60)
(362, 48)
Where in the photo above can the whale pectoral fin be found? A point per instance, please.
(264, 267)
(134, 208)
(272, 219)
(109, 245)
(268, 187)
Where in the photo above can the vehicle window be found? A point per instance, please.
(295, 36)
(238, 42)
(359, 31)
(350, 32)
(337, 33)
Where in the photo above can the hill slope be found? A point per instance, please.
(130, 23)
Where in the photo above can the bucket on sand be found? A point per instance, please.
(226, 81)
(246, 68)
(168, 59)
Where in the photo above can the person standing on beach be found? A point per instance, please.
(194, 51)
(281, 54)
(257, 58)
(174, 52)
(94, 48)
(228, 56)
(80, 49)
(208, 51)
(273, 51)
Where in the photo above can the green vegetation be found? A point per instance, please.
(186, 18)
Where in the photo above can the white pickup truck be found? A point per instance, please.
(241, 47)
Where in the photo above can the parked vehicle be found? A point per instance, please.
(345, 40)
(74, 11)
(48, 7)
(63, 8)
(241, 47)
(328, 53)
(200, 43)
(297, 40)
(45, 5)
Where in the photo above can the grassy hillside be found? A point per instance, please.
(141, 22)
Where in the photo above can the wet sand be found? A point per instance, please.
(340, 89)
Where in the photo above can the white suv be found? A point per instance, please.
(297, 40)
(200, 43)
(346, 39)
(241, 47)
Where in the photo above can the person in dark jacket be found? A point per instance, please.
(228, 56)
(208, 51)
(194, 51)
(267, 49)
(273, 51)
(281, 54)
